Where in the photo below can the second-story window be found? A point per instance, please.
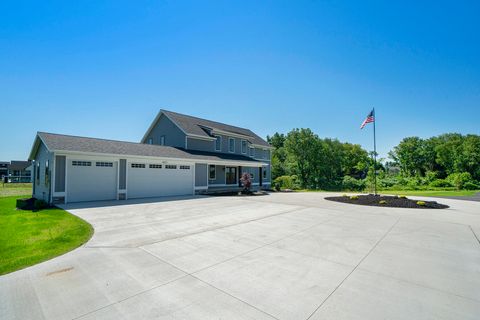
(252, 151)
(218, 143)
(231, 144)
(244, 146)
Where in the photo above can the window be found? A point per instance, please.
(184, 167)
(81, 163)
(265, 153)
(212, 173)
(171, 166)
(218, 143)
(231, 145)
(47, 174)
(104, 164)
(37, 176)
(264, 173)
(244, 146)
(162, 140)
(150, 141)
(252, 176)
(138, 165)
(155, 166)
(252, 151)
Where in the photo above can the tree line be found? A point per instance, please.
(301, 159)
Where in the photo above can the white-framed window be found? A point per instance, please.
(155, 166)
(264, 173)
(150, 141)
(244, 146)
(212, 172)
(184, 167)
(47, 173)
(162, 140)
(231, 145)
(265, 153)
(218, 143)
(252, 151)
(81, 163)
(103, 164)
(37, 177)
(170, 166)
(138, 165)
(252, 176)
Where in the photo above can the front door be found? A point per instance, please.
(231, 175)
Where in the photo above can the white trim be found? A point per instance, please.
(241, 146)
(66, 178)
(201, 188)
(229, 133)
(215, 142)
(196, 136)
(52, 177)
(208, 172)
(229, 138)
(166, 159)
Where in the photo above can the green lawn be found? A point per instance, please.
(433, 193)
(15, 189)
(27, 237)
(425, 193)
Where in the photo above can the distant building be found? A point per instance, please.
(4, 168)
(20, 171)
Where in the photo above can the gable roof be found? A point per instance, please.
(66, 143)
(19, 165)
(193, 126)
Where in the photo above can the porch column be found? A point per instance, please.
(260, 176)
(239, 176)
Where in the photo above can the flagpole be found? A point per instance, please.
(375, 151)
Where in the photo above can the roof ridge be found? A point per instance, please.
(203, 119)
(111, 140)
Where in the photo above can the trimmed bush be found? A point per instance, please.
(353, 197)
(440, 183)
(22, 203)
(40, 204)
(471, 186)
(421, 203)
(382, 202)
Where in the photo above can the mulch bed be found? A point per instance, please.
(391, 201)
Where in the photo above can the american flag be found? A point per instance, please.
(370, 118)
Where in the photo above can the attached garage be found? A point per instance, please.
(89, 180)
(159, 179)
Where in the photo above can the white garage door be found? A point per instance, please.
(158, 180)
(89, 180)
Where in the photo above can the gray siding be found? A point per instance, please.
(174, 137)
(202, 145)
(201, 175)
(122, 174)
(219, 177)
(60, 170)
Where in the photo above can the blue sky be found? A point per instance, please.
(104, 69)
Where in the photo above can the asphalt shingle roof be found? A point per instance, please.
(60, 142)
(193, 125)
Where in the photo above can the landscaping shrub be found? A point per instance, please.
(22, 203)
(382, 202)
(353, 184)
(421, 203)
(353, 197)
(440, 183)
(471, 186)
(285, 182)
(40, 204)
(458, 180)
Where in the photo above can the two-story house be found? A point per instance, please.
(178, 155)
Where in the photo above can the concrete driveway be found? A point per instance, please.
(281, 256)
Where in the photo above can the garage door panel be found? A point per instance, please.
(157, 182)
(88, 182)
